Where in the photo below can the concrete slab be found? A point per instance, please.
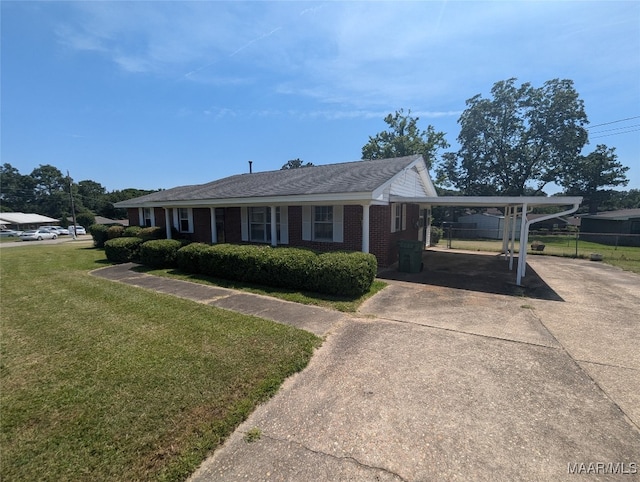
(311, 318)
(424, 403)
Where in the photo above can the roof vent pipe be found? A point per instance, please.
(250, 167)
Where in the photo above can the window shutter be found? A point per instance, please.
(284, 224)
(244, 224)
(306, 223)
(338, 224)
(175, 218)
(393, 217)
(404, 217)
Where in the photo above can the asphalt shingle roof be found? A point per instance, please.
(346, 177)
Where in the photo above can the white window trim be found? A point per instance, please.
(176, 220)
(142, 218)
(282, 226)
(308, 222)
(402, 209)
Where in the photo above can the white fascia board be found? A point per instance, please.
(491, 201)
(330, 198)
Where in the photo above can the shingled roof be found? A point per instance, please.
(347, 178)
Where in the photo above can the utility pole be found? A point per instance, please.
(73, 208)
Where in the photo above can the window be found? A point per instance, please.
(398, 217)
(183, 220)
(183, 214)
(147, 216)
(323, 223)
(260, 224)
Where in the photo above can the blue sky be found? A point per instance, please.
(159, 94)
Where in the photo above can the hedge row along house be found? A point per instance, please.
(332, 207)
(354, 206)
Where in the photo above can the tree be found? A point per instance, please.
(590, 173)
(92, 195)
(16, 190)
(295, 164)
(49, 185)
(404, 138)
(519, 140)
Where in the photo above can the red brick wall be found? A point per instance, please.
(232, 225)
(134, 216)
(201, 225)
(413, 214)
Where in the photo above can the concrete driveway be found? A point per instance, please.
(433, 382)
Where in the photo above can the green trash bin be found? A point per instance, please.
(410, 256)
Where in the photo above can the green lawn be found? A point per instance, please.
(625, 257)
(102, 381)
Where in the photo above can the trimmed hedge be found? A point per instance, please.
(155, 232)
(123, 250)
(115, 232)
(337, 273)
(99, 234)
(160, 253)
(131, 231)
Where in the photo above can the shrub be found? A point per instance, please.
(123, 250)
(190, 258)
(115, 232)
(99, 234)
(436, 234)
(155, 232)
(340, 273)
(160, 253)
(345, 274)
(131, 231)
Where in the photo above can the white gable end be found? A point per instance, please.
(414, 181)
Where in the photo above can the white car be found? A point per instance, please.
(59, 230)
(9, 233)
(37, 235)
(78, 230)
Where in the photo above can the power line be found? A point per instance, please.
(614, 122)
(617, 129)
(615, 134)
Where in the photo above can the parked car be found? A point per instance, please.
(37, 235)
(59, 230)
(9, 233)
(78, 230)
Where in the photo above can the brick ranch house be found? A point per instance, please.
(344, 206)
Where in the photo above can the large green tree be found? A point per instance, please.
(404, 138)
(590, 174)
(517, 141)
(50, 191)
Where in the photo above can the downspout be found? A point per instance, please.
(525, 231)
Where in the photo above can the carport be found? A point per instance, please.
(514, 207)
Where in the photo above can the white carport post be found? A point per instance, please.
(167, 221)
(274, 227)
(522, 252)
(505, 231)
(214, 228)
(365, 228)
(512, 240)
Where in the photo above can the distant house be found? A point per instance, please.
(22, 221)
(612, 227)
(330, 207)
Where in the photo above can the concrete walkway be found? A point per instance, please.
(430, 382)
